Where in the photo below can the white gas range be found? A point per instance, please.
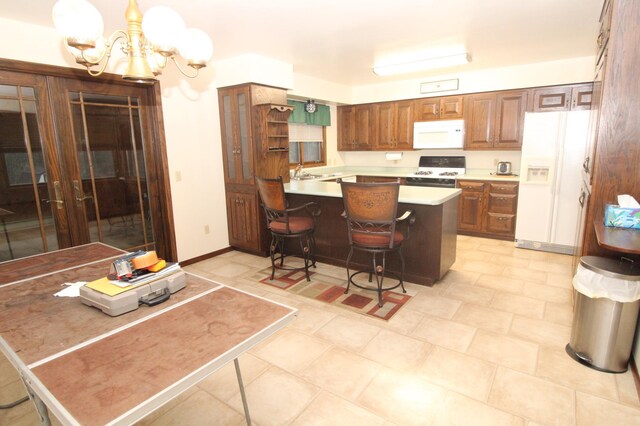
(438, 171)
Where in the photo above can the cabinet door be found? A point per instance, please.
(509, 119)
(346, 128)
(243, 220)
(470, 207)
(386, 124)
(403, 138)
(480, 111)
(235, 119)
(363, 127)
(581, 97)
(451, 107)
(427, 109)
(551, 99)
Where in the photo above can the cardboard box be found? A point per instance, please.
(621, 217)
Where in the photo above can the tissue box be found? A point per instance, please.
(621, 217)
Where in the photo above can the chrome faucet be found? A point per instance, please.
(297, 171)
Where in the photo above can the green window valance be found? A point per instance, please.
(322, 116)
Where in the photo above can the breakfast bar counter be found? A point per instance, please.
(430, 250)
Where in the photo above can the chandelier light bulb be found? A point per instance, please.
(78, 20)
(196, 47)
(163, 27)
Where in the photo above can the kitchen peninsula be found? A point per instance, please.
(428, 253)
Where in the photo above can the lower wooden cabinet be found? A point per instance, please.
(488, 208)
(244, 221)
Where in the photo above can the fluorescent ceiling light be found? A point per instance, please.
(425, 64)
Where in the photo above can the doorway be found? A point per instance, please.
(79, 164)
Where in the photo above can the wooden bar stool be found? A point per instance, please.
(370, 210)
(283, 225)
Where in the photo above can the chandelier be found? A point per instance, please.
(150, 41)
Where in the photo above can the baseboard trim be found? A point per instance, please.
(205, 256)
(636, 376)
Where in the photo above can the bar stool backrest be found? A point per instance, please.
(371, 208)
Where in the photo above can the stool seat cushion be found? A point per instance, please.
(297, 224)
(376, 240)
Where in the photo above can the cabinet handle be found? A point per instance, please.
(585, 165)
(501, 218)
(581, 199)
(500, 198)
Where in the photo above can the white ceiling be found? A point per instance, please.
(339, 40)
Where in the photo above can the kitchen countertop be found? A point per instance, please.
(348, 171)
(408, 194)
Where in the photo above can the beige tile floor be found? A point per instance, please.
(485, 346)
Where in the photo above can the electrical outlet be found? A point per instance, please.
(206, 229)
(496, 161)
(178, 176)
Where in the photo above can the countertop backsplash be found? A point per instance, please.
(476, 160)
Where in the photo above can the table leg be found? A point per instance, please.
(40, 406)
(242, 394)
(6, 235)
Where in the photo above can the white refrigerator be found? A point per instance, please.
(553, 150)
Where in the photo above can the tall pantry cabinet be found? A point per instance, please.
(612, 163)
(254, 130)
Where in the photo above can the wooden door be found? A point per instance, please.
(363, 133)
(451, 107)
(243, 220)
(581, 97)
(346, 128)
(235, 123)
(471, 205)
(427, 109)
(509, 120)
(106, 138)
(93, 166)
(480, 120)
(551, 99)
(386, 124)
(32, 204)
(403, 138)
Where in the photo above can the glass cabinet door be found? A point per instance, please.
(235, 118)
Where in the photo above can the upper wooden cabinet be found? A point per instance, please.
(445, 108)
(394, 125)
(495, 120)
(355, 127)
(562, 98)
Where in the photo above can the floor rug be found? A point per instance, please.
(330, 290)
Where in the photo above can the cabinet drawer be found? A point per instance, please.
(501, 223)
(502, 203)
(504, 187)
(469, 185)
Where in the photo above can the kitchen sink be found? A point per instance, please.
(310, 176)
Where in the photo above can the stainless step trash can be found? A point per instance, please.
(605, 313)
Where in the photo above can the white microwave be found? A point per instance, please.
(444, 134)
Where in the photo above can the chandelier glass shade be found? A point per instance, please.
(149, 41)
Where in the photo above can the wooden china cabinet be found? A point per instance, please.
(255, 141)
